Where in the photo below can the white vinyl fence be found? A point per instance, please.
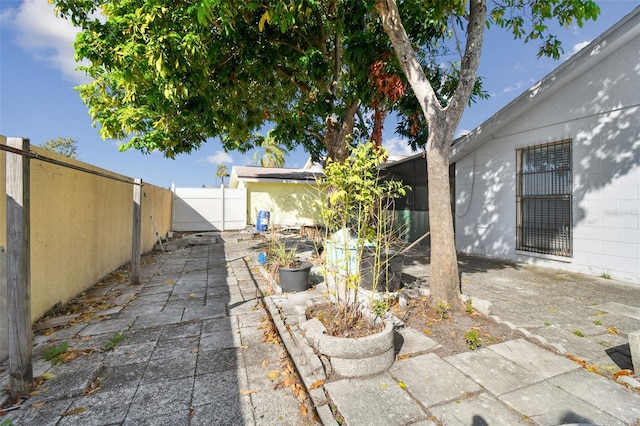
(209, 209)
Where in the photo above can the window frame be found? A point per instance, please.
(544, 199)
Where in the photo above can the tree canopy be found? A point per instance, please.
(269, 153)
(221, 173)
(63, 146)
(170, 75)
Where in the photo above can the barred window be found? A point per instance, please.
(543, 199)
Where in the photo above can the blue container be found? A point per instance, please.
(342, 258)
(262, 223)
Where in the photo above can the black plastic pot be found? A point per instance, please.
(295, 279)
(389, 270)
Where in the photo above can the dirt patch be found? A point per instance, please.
(344, 320)
(456, 333)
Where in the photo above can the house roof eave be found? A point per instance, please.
(596, 51)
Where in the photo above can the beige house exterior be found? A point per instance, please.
(289, 195)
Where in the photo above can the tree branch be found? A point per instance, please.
(471, 58)
(392, 24)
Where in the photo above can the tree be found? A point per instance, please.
(63, 146)
(221, 173)
(269, 153)
(525, 19)
(170, 75)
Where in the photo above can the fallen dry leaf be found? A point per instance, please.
(590, 367)
(38, 405)
(194, 350)
(316, 384)
(299, 391)
(68, 356)
(47, 376)
(288, 381)
(74, 411)
(612, 330)
(273, 374)
(303, 410)
(265, 363)
(402, 385)
(623, 373)
(248, 391)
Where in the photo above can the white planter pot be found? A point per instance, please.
(349, 356)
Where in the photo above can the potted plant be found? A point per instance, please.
(293, 274)
(345, 328)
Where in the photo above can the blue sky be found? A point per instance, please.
(38, 100)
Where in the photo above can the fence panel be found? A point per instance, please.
(209, 209)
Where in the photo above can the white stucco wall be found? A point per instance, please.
(599, 110)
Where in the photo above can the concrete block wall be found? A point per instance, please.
(81, 228)
(597, 109)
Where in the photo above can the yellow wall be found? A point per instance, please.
(288, 203)
(81, 227)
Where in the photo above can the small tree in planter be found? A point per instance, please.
(358, 208)
(356, 205)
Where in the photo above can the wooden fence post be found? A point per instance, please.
(19, 270)
(136, 231)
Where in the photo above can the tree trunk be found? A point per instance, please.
(444, 279)
(338, 136)
(444, 282)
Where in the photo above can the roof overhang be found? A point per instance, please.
(598, 50)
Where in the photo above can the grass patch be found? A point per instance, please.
(115, 341)
(56, 310)
(472, 339)
(443, 309)
(54, 353)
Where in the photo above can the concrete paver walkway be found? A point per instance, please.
(193, 352)
(515, 382)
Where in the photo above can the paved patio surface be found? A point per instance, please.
(194, 351)
(199, 349)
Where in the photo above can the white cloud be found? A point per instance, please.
(518, 86)
(398, 147)
(578, 46)
(45, 36)
(461, 132)
(220, 157)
